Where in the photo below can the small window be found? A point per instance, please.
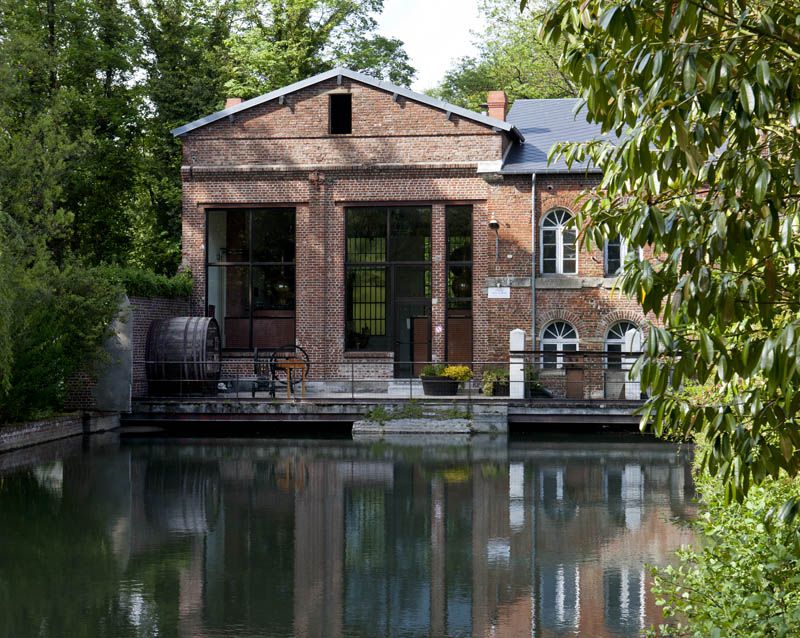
(616, 251)
(615, 256)
(341, 115)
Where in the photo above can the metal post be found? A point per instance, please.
(352, 381)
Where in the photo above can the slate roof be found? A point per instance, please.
(544, 123)
(498, 125)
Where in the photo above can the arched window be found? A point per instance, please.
(623, 343)
(623, 338)
(558, 337)
(558, 244)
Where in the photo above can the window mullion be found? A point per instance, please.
(560, 250)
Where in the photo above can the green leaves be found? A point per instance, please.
(760, 187)
(742, 577)
(746, 96)
(708, 177)
(59, 319)
(511, 55)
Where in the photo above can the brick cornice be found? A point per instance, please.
(187, 170)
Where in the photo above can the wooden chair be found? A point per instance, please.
(278, 367)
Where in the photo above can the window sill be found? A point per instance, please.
(368, 354)
(573, 282)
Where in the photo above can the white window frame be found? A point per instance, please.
(630, 342)
(623, 253)
(558, 227)
(559, 341)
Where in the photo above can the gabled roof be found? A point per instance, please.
(340, 72)
(544, 123)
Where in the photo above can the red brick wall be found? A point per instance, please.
(81, 392)
(384, 131)
(143, 312)
(399, 153)
(320, 199)
(591, 309)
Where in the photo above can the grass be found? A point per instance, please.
(413, 410)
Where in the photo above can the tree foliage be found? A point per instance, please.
(183, 78)
(705, 98)
(59, 319)
(277, 42)
(511, 56)
(742, 578)
(90, 89)
(89, 171)
(68, 116)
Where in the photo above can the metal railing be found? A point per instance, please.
(543, 374)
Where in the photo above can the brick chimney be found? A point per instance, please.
(232, 101)
(497, 102)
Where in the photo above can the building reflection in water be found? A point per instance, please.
(321, 539)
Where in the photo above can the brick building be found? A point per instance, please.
(376, 226)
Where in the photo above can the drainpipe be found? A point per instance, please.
(533, 261)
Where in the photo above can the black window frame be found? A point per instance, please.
(249, 264)
(466, 311)
(389, 266)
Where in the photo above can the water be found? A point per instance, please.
(243, 538)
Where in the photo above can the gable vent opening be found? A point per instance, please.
(341, 114)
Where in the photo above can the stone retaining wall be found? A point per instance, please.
(13, 437)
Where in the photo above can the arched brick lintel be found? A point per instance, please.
(550, 316)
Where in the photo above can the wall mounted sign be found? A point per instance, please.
(499, 292)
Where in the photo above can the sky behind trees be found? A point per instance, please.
(435, 34)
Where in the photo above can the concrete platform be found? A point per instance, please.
(487, 414)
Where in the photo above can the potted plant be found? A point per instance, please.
(443, 380)
(495, 382)
(533, 386)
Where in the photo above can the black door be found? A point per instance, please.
(411, 309)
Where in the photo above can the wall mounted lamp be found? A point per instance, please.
(495, 226)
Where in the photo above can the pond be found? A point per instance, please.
(540, 536)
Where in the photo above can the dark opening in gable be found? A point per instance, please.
(341, 113)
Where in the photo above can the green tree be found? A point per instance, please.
(511, 56)
(68, 116)
(184, 76)
(742, 578)
(704, 96)
(6, 354)
(282, 41)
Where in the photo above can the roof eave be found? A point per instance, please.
(551, 171)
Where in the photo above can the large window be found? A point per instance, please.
(459, 283)
(250, 275)
(558, 244)
(557, 337)
(388, 255)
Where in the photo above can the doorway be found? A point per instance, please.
(412, 330)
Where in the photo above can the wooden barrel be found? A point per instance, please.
(183, 356)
